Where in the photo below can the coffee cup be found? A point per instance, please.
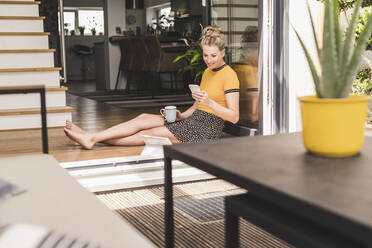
(170, 113)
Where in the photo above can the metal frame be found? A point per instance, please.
(62, 40)
(41, 90)
(206, 8)
(273, 67)
(280, 67)
(229, 30)
(292, 228)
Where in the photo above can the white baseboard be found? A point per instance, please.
(129, 173)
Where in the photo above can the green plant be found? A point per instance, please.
(347, 4)
(362, 23)
(194, 58)
(93, 30)
(337, 60)
(363, 84)
(81, 29)
(66, 29)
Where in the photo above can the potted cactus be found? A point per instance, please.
(333, 121)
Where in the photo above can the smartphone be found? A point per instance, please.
(194, 88)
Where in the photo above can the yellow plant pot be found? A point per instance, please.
(333, 127)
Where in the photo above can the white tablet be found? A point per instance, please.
(156, 140)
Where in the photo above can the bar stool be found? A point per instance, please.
(139, 54)
(83, 51)
(126, 58)
(159, 61)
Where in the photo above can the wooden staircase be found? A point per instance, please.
(26, 60)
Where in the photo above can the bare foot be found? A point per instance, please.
(70, 125)
(84, 139)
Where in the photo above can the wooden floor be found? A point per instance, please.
(90, 115)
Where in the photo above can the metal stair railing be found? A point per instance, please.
(33, 89)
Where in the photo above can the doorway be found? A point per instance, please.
(255, 33)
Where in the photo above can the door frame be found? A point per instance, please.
(273, 67)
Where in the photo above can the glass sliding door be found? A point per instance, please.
(254, 51)
(240, 21)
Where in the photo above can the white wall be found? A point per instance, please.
(114, 17)
(140, 15)
(299, 78)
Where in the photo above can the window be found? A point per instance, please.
(164, 18)
(69, 19)
(87, 17)
(91, 19)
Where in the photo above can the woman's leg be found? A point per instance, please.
(87, 140)
(137, 139)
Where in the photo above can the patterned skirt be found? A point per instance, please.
(200, 126)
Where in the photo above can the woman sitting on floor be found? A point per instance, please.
(217, 102)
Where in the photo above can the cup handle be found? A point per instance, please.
(162, 112)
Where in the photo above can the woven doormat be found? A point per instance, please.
(207, 208)
(144, 209)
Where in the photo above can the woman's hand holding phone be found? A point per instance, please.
(202, 98)
(194, 88)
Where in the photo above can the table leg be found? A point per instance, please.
(44, 128)
(231, 228)
(168, 196)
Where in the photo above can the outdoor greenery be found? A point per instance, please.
(363, 84)
(347, 4)
(338, 57)
(363, 19)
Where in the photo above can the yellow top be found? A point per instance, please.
(217, 83)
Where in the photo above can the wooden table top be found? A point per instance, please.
(55, 200)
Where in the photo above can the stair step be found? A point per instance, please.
(28, 51)
(26, 60)
(19, 9)
(62, 88)
(55, 97)
(31, 69)
(12, 42)
(20, 2)
(22, 17)
(32, 111)
(21, 25)
(27, 87)
(23, 33)
(31, 118)
(49, 78)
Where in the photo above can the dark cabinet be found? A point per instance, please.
(192, 7)
(138, 4)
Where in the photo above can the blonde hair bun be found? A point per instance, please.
(213, 36)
